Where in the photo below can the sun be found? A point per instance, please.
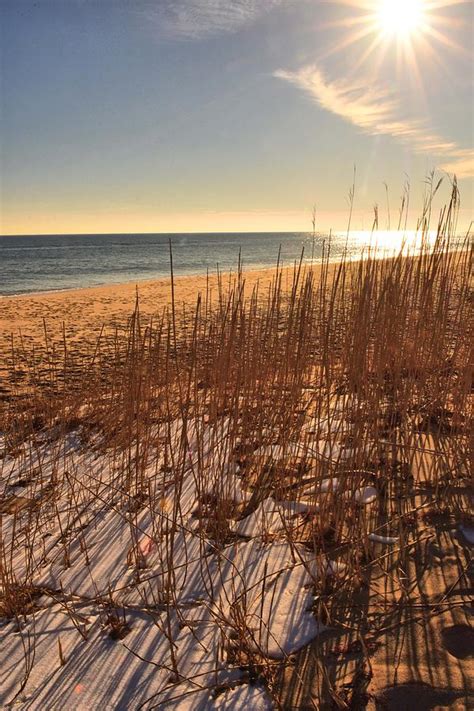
(407, 31)
(406, 21)
(400, 17)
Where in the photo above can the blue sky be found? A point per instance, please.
(209, 115)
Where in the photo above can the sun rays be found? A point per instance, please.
(413, 28)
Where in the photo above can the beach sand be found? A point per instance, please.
(40, 322)
(81, 313)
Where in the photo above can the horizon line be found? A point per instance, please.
(212, 232)
(105, 234)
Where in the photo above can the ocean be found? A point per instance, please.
(45, 263)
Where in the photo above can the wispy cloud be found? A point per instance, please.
(194, 19)
(377, 110)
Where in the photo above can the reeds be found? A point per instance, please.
(327, 417)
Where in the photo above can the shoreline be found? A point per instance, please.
(139, 283)
(316, 262)
(189, 275)
(80, 314)
(127, 283)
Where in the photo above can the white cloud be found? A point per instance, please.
(193, 19)
(377, 110)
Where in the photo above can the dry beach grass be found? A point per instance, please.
(258, 499)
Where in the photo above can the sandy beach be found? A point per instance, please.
(30, 321)
(83, 312)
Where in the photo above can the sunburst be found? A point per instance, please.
(412, 27)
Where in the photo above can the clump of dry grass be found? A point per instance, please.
(357, 379)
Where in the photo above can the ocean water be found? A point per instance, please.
(44, 263)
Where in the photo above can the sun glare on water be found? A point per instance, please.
(385, 243)
(400, 17)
